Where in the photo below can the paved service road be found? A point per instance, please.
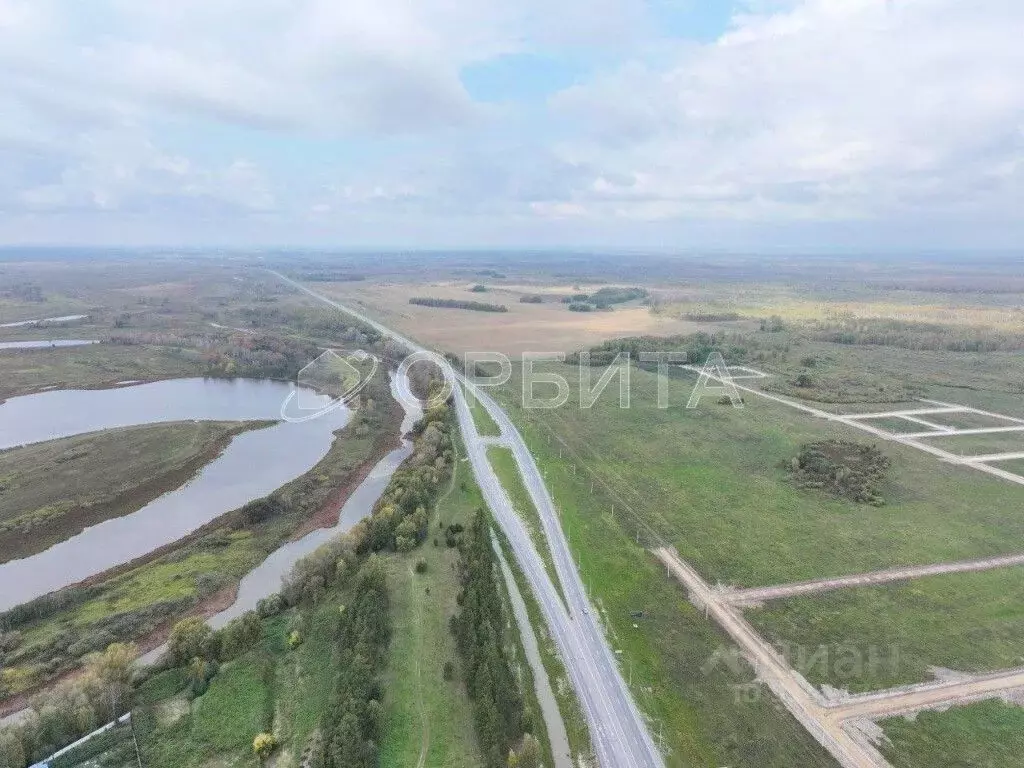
(617, 729)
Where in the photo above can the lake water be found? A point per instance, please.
(46, 343)
(43, 321)
(265, 579)
(254, 464)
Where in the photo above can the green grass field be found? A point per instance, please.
(96, 365)
(218, 727)
(897, 425)
(980, 445)
(53, 490)
(427, 716)
(988, 734)
(879, 637)
(1014, 465)
(705, 713)
(713, 481)
(969, 420)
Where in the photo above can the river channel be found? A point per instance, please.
(253, 464)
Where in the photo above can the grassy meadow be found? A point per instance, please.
(703, 713)
(968, 622)
(987, 734)
(714, 482)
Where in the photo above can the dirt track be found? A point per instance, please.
(761, 594)
(773, 670)
(901, 701)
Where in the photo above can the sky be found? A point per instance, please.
(670, 124)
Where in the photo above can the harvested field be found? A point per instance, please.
(547, 327)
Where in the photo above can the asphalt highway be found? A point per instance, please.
(618, 732)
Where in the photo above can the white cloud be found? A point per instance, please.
(832, 109)
(805, 111)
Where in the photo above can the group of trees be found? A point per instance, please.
(354, 721)
(399, 521)
(479, 627)
(848, 469)
(72, 709)
(710, 316)
(908, 334)
(602, 299)
(475, 306)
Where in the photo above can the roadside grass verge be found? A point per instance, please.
(485, 425)
(987, 734)
(1014, 465)
(879, 637)
(505, 467)
(54, 490)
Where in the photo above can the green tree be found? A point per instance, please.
(190, 638)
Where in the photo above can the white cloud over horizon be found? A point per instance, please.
(319, 122)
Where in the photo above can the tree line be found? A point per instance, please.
(475, 306)
(500, 717)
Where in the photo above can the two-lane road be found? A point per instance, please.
(618, 731)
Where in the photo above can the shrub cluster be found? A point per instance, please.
(72, 709)
(848, 469)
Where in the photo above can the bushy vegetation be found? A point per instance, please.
(497, 701)
(475, 306)
(711, 317)
(582, 306)
(72, 709)
(399, 520)
(848, 469)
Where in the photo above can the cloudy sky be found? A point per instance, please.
(653, 123)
